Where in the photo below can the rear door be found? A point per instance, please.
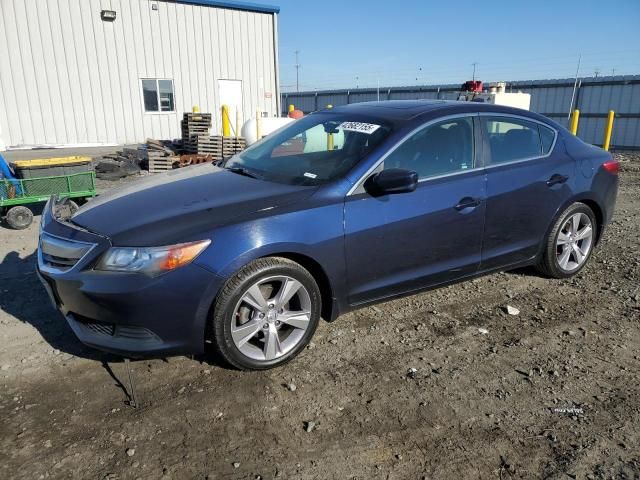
(529, 177)
(403, 242)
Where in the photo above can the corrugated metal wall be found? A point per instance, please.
(67, 77)
(594, 97)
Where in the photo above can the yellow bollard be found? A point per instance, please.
(330, 136)
(291, 108)
(226, 124)
(608, 130)
(329, 142)
(258, 132)
(575, 117)
(195, 109)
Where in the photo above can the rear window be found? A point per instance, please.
(512, 139)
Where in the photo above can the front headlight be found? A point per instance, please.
(151, 260)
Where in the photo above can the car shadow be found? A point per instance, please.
(23, 297)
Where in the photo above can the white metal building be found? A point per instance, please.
(86, 72)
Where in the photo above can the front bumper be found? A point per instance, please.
(127, 313)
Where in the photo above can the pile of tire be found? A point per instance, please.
(116, 168)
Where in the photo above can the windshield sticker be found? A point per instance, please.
(310, 175)
(360, 127)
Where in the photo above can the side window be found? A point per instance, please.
(441, 148)
(547, 136)
(511, 139)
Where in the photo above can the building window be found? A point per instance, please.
(158, 95)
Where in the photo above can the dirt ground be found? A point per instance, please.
(553, 392)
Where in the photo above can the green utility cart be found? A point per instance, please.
(16, 193)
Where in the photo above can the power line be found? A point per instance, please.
(508, 66)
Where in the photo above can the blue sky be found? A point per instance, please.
(358, 43)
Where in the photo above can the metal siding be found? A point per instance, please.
(70, 78)
(549, 97)
(366, 97)
(305, 104)
(335, 100)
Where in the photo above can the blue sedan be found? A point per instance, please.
(341, 209)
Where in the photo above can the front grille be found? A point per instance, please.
(139, 334)
(100, 328)
(60, 253)
(92, 326)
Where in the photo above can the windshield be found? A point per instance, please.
(313, 150)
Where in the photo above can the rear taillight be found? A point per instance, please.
(612, 166)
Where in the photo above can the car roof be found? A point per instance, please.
(401, 111)
(393, 109)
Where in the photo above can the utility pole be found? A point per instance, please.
(474, 70)
(297, 72)
(613, 72)
(596, 72)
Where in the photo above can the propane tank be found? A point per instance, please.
(266, 126)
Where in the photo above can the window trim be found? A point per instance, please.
(355, 189)
(487, 156)
(173, 91)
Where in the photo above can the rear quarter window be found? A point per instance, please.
(547, 136)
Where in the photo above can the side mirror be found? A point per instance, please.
(393, 180)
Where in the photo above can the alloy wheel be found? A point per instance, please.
(271, 318)
(574, 242)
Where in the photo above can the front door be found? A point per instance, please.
(404, 242)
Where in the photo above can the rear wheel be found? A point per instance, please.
(570, 242)
(19, 217)
(266, 314)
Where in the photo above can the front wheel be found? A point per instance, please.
(570, 242)
(266, 314)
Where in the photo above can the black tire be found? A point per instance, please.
(549, 264)
(19, 217)
(224, 313)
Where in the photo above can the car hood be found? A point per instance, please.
(181, 204)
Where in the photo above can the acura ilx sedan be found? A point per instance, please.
(338, 210)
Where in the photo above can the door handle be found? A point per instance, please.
(467, 202)
(556, 179)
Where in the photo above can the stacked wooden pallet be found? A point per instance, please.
(232, 145)
(193, 124)
(204, 145)
(158, 156)
(197, 141)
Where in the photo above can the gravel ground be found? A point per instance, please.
(444, 384)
